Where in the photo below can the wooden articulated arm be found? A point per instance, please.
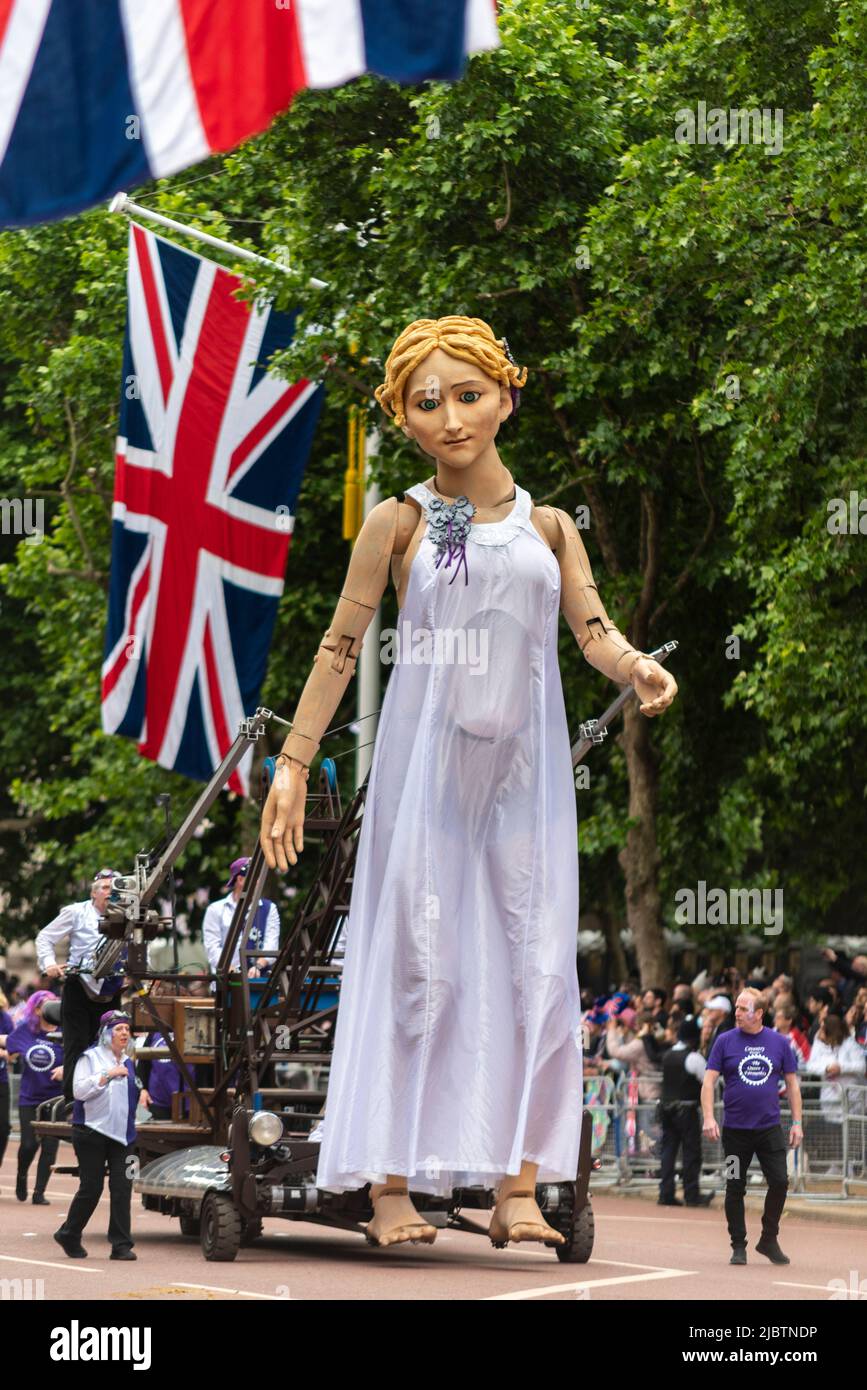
(602, 644)
(337, 657)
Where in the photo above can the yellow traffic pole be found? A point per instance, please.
(353, 480)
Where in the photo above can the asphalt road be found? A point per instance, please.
(641, 1252)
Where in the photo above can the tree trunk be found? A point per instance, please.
(618, 970)
(640, 857)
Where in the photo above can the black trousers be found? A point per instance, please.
(769, 1147)
(93, 1150)
(160, 1112)
(681, 1127)
(5, 1122)
(28, 1146)
(79, 1019)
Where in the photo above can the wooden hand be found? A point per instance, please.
(654, 686)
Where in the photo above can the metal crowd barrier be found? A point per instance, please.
(627, 1138)
(831, 1163)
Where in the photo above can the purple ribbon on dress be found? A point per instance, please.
(449, 527)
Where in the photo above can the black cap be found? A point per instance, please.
(689, 1031)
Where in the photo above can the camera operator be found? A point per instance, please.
(84, 998)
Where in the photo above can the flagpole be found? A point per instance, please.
(121, 203)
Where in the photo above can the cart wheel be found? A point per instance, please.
(579, 1238)
(251, 1231)
(191, 1226)
(221, 1227)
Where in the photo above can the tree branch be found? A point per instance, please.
(570, 482)
(67, 491)
(599, 511)
(650, 533)
(363, 386)
(500, 294)
(20, 825)
(501, 222)
(95, 576)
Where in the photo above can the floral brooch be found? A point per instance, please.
(448, 528)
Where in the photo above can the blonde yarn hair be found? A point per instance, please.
(470, 339)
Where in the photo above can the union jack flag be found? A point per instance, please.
(102, 95)
(210, 456)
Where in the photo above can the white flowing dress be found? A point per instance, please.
(458, 1041)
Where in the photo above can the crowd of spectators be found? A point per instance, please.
(628, 1031)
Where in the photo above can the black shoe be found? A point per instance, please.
(669, 1202)
(704, 1200)
(123, 1255)
(71, 1245)
(39, 1201)
(739, 1255)
(769, 1247)
(21, 1189)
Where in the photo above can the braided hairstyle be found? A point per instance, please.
(470, 339)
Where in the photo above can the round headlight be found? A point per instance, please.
(265, 1128)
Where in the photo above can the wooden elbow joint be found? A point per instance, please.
(595, 632)
(344, 653)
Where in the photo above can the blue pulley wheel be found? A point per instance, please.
(329, 767)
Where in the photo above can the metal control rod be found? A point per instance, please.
(249, 732)
(593, 731)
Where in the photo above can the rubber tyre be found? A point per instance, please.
(579, 1241)
(251, 1231)
(191, 1226)
(221, 1228)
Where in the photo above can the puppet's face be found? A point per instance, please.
(453, 408)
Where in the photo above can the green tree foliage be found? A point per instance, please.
(693, 321)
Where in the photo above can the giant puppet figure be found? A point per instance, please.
(457, 1055)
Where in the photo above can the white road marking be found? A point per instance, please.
(592, 1283)
(51, 1264)
(627, 1264)
(217, 1288)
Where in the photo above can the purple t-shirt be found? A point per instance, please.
(165, 1077)
(40, 1054)
(752, 1066)
(6, 1026)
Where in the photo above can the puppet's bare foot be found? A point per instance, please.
(395, 1219)
(517, 1217)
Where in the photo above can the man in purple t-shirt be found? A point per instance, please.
(41, 1053)
(752, 1061)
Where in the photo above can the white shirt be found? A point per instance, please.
(694, 1064)
(106, 1108)
(218, 919)
(851, 1062)
(80, 922)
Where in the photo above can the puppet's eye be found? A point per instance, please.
(474, 394)
(429, 400)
